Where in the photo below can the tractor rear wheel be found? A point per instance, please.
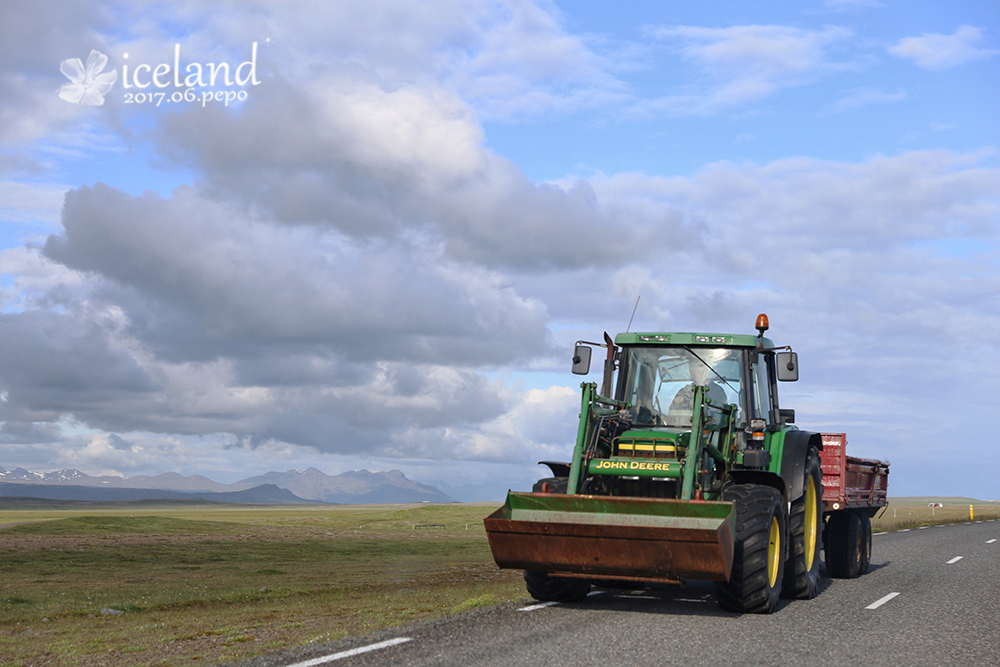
(759, 551)
(805, 535)
(555, 589)
(845, 540)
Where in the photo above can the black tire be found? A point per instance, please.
(866, 542)
(555, 485)
(759, 554)
(805, 535)
(844, 539)
(555, 589)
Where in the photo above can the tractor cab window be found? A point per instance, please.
(659, 382)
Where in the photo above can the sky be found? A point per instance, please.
(373, 239)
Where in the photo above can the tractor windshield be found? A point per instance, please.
(659, 382)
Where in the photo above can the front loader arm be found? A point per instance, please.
(589, 413)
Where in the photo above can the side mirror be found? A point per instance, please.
(581, 360)
(787, 366)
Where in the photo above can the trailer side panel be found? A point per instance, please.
(850, 482)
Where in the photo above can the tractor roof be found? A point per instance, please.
(679, 338)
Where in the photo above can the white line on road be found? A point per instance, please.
(354, 651)
(923, 527)
(991, 541)
(878, 603)
(905, 530)
(874, 534)
(954, 560)
(542, 605)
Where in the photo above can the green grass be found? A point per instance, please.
(209, 584)
(121, 525)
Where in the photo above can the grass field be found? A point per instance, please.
(914, 512)
(209, 583)
(206, 584)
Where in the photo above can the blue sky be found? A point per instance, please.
(382, 255)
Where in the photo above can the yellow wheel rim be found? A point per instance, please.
(811, 523)
(773, 552)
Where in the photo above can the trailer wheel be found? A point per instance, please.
(759, 553)
(555, 589)
(866, 542)
(845, 544)
(805, 535)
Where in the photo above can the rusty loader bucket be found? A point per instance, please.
(604, 537)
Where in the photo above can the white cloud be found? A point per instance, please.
(352, 268)
(864, 97)
(745, 63)
(31, 203)
(507, 58)
(938, 52)
(851, 5)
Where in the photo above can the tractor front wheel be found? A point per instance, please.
(551, 485)
(805, 535)
(555, 589)
(759, 550)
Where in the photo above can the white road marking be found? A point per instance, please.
(874, 534)
(923, 527)
(954, 560)
(991, 541)
(905, 530)
(354, 651)
(878, 603)
(542, 605)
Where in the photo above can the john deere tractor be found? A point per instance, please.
(688, 469)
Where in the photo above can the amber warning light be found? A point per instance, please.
(762, 323)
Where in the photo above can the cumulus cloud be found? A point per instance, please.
(846, 255)
(199, 319)
(386, 164)
(352, 273)
(937, 52)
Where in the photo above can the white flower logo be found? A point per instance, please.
(88, 85)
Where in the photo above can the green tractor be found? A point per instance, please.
(690, 470)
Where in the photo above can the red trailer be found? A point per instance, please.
(854, 490)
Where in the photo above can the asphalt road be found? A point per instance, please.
(930, 598)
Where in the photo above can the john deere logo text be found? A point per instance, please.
(631, 465)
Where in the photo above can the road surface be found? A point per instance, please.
(930, 598)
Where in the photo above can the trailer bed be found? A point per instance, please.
(850, 482)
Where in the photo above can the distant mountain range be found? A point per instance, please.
(291, 486)
(263, 494)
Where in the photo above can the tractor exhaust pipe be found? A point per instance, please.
(609, 367)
